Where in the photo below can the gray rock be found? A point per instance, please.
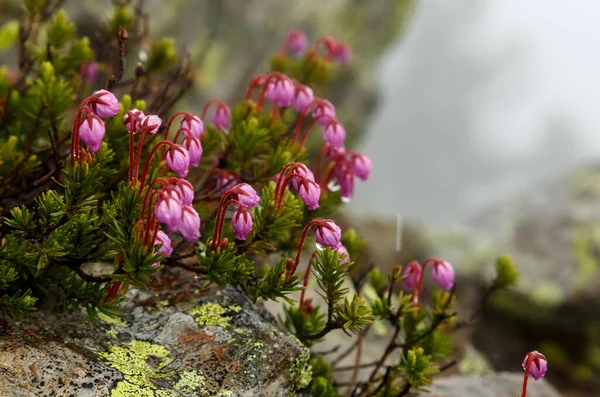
(501, 385)
(175, 342)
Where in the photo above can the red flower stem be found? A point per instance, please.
(419, 287)
(136, 167)
(311, 125)
(274, 111)
(301, 244)
(286, 181)
(318, 161)
(208, 104)
(215, 238)
(171, 120)
(223, 213)
(279, 185)
(253, 84)
(131, 147)
(303, 116)
(149, 189)
(271, 76)
(179, 132)
(149, 159)
(526, 376)
(305, 279)
(75, 131)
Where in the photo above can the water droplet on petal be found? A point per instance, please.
(333, 186)
(319, 246)
(345, 199)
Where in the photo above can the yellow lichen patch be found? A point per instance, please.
(235, 308)
(225, 393)
(112, 320)
(213, 314)
(162, 304)
(189, 382)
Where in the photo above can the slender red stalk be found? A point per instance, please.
(303, 116)
(75, 131)
(274, 111)
(419, 287)
(171, 120)
(149, 189)
(131, 146)
(278, 186)
(136, 166)
(208, 104)
(271, 76)
(149, 159)
(301, 244)
(318, 161)
(223, 212)
(526, 376)
(305, 279)
(254, 83)
(215, 237)
(179, 133)
(285, 183)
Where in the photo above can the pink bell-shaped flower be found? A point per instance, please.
(309, 192)
(347, 185)
(361, 165)
(281, 91)
(303, 170)
(221, 117)
(194, 148)
(168, 211)
(246, 195)
(334, 134)
(538, 366)
(189, 223)
(150, 124)
(194, 124)
(162, 238)
(412, 275)
(178, 160)
(104, 104)
(324, 112)
(296, 42)
(341, 252)
(304, 95)
(328, 234)
(241, 223)
(443, 274)
(342, 53)
(135, 117)
(91, 131)
(186, 192)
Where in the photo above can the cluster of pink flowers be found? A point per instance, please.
(442, 273)
(296, 43)
(88, 125)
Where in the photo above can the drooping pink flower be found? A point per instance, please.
(241, 223)
(281, 92)
(361, 165)
(334, 133)
(192, 123)
(137, 116)
(303, 170)
(443, 274)
(328, 234)
(304, 95)
(168, 211)
(347, 185)
(91, 72)
(178, 160)
(221, 117)
(296, 42)
(186, 192)
(342, 53)
(194, 148)
(104, 103)
(412, 273)
(309, 192)
(246, 195)
(162, 238)
(341, 252)
(539, 364)
(189, 223)
(324, 111)
(150, 124)
(91, 131)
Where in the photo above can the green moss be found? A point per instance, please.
(301, 371)
(213, 314)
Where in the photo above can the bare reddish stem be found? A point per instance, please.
(288, 177)
(75, 131)
(419, 287)
(215, 237)
(526, 376)
(303, 116)
(305, 279)
(279, 184)
(149, 159)
(301, 244)
(223, 212)
(208, 104)
(270, 77)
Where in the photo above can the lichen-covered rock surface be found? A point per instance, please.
(174, 341)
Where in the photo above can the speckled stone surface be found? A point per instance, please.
(175, 341)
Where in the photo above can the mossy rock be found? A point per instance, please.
(175, 341)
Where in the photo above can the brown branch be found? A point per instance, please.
(91, 279)
(121, 38)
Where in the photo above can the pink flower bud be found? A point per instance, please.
(361, 166)
(334, 134)
(246, 195)
(194, 124)
(347, 186)
(91, 72)
(194, 148)
(137, 116)
(104, 104)
(296, 42)
(305, 172)
(189, 223)
(281, 92)
(241, 223)
(91, 131)
(221, 117)
(341, 252)
(328, 234)
(538, 366)
(162, 238)
(151, 124)
(342, 53)
(168, 210)
(304, 95)
(310, 192)
(186, 192)
(412, 273)
(324, 112)
(178, 160)
(443, 274)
